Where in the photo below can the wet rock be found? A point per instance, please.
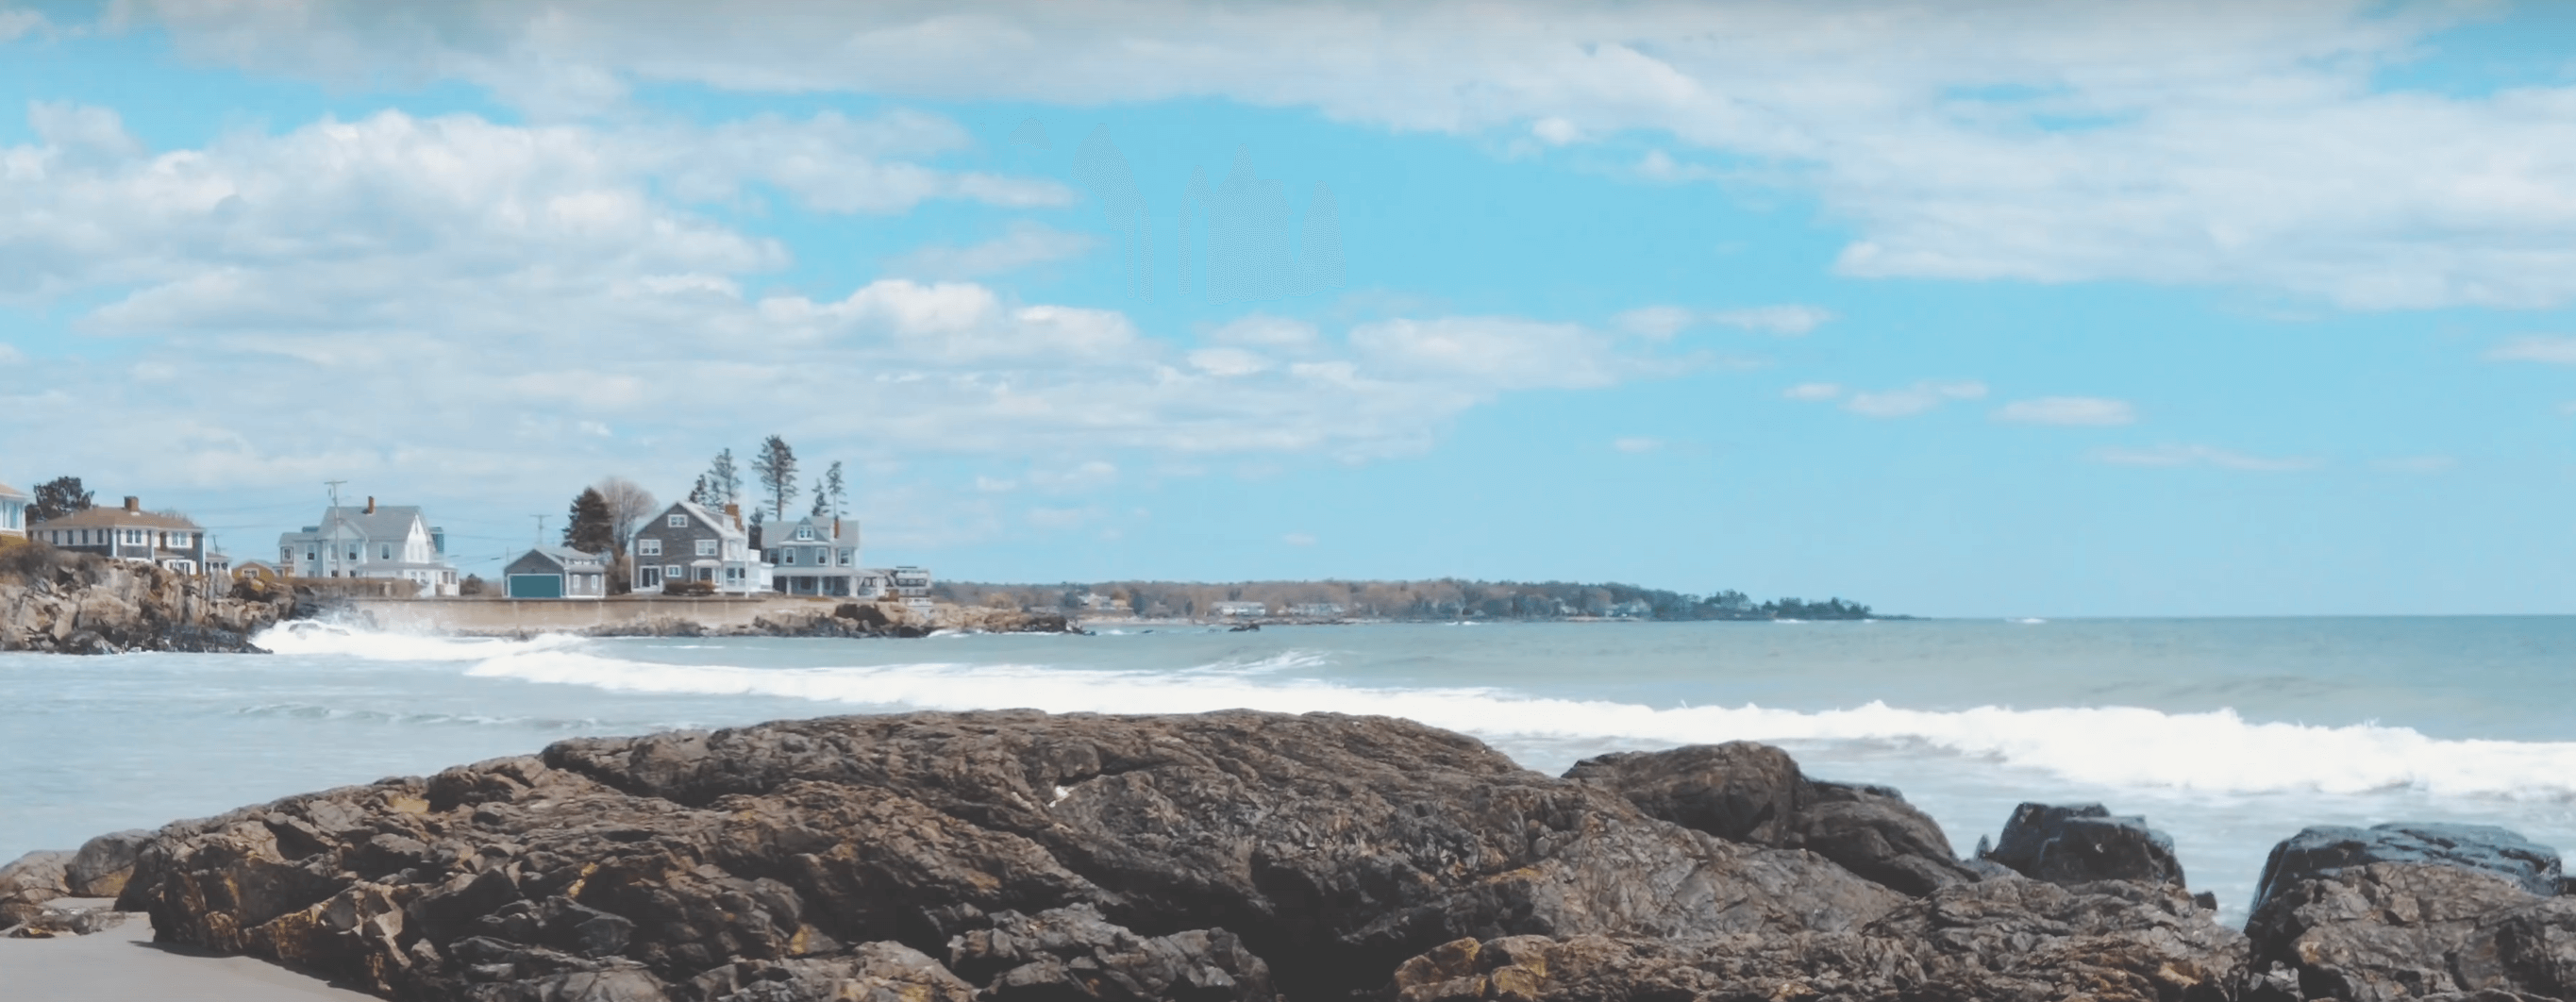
(99, 869)
(2327, 850)
(2079, 843)
(1748, 792)
(47, 922)
(2384, 931)
(2016, 940)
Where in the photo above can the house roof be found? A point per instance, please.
(116, 518)
(389, 521)
(722, 522)
(7, 491)
(781, 533)
(565, 556)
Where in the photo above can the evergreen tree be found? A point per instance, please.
(724, 481)
(830, 495)
(56, 498)
(698, 494)
(776, 467)
(591, 528)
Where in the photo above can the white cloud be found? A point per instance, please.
(1298, 539)
(1026, 244)
(1786, 321)
(1636, 444)
(1503, 353)
(2180, 142)
(1262, 331)
(1912, 400)
(2202, 455)
(16, 23)
(2088, 411)
(1228, 362)
(1813, 392)
(1666, 321)
(2552, 349)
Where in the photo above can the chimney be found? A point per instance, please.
(836, 528)
(371, 504)
(733, 511)
(133, 503)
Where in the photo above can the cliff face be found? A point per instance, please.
(67, 603)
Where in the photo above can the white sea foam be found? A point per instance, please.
(2216, 751)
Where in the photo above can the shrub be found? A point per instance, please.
(689, 589)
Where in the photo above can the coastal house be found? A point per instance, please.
(388, 541)
(1239, 609)
(818, 556)
(13, 511)
(1319, 610)
(129, 533)
(556, 572)
(687, 542)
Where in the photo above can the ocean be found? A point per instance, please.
(2228, 734)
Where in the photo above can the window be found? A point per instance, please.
(385, 552)
(677, 521)
(673, 572)
(648, 547)
(804, 532)
(787, 556)
(706, 547)
(311, 554)
(845, 558)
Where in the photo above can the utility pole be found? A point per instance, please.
(541, 529)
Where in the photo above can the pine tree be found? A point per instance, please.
(698, 494)
(724, 481)
(591, 528)
(830, 495)
(776, 467)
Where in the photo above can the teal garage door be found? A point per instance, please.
(536, 586)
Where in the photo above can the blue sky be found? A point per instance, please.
(1962, 309)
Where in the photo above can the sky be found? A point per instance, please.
(1959, 309)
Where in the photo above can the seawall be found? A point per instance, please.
(493, 616)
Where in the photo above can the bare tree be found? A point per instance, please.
(629, 504)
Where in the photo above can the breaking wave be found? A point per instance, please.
(2217, 751)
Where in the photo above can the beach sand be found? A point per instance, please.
(122, 965)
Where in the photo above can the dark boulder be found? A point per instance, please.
(1073, 953)
(99, 869)
(2327, 850)
(2080, 843)
(1739, 791)
(29, 881)
(2385, 931)
(1754, 793)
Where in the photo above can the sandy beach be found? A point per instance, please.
(123, 965)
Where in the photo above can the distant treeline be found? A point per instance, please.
(1444, 599)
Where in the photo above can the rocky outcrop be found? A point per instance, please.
(1996, 941)
(29, 881)
(2412, 911)
(99, 869)
(1753, 793)
(2326, 850)
(69, 603)
(1008, 855)
(2081, 843)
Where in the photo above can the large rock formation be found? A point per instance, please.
(2081, 843)
(70, 603)
(1230, 855)
(2408, 911)
(1754, 793)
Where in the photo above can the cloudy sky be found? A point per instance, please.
(1956, 309)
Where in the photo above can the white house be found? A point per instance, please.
(391, 541)
(13, 511)
(1239, 609)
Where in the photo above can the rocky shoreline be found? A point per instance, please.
(1254, 856)
(72, 603)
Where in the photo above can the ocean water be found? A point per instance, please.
(2229, 734)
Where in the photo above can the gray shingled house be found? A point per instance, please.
(687, 542)
(556, 572)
